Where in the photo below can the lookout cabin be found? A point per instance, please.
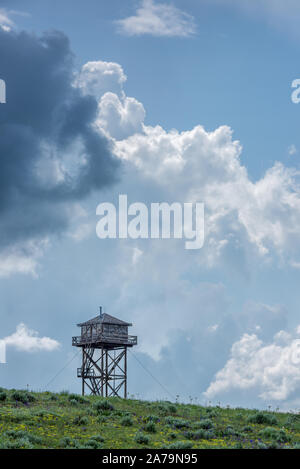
(104, 330)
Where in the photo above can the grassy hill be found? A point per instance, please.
(47, 420)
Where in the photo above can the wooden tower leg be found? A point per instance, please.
(106, 373)
(102, 372)
(82, 384)
(125, 373)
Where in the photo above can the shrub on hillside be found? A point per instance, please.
(103, 405)
(20, 443)
(150, 427)
(67, 442)
(98, 438)
(3, 396)
(262, 418)
(210, 412)
(180, 445)
(152, 418)
(77, 398)
(102, 419)
(127, 421)
(199, 435)
(247, 429)
(81, 420)
(45, 414)
(18, 415)
(172, 408)
(73, 402)
(141, 438)
(230, 431)
(23, 396)
(279, 436)
(205, 424)
(175, 422)
(165, 408)
(238, 445)
(293, 421)
(91, 443)
(23, 435)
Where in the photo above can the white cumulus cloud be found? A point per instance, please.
(206, 167)
(158, 19)
(197, 165)
(271, 369)
(27, 340)
(292, 150)
(22, 258)
(120, 117)
(5, 22)
(99, 77)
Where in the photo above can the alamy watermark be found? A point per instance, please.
(160, 221)
(2, 351)
(2, 92)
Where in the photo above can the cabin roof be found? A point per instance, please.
(104, 319)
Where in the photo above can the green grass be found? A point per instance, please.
(47, 420)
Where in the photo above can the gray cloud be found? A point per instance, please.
(50, 153)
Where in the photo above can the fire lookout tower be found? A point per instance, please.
(104, 341)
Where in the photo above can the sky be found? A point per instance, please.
(165, 102)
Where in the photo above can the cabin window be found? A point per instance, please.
(115, 329)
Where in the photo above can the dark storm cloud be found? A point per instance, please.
(44, 110)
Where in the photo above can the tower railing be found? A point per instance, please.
(105, 338)
(83, 372)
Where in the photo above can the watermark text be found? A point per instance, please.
(2, 92)
(2, 351)
(159, 221)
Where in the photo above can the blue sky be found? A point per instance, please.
(208, 314)
(238, 69)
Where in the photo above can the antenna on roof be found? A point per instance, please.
(101, 314)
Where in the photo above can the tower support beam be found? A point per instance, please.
(104, 371)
